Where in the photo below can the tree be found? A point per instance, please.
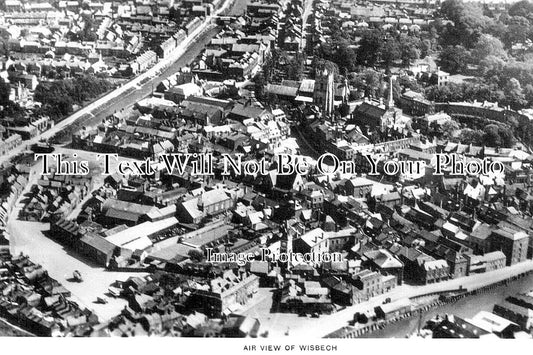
(518, 30)
(426, 48)
(321, 64)
(506, 136)
(471, 136)
(87, 33)
(409, 83)
(362, 318)
(409, 48)
(449, 128)
(57, 97)
(514, 69)
(4, 48)
(514, 95)
(498, 136)
(344, 110)
(272, 99)
(498, 28)
(491, 66)
(370, 48)
(454, 59)
(295, 67)
(5, 90)
(345, 57)
(451, 10)
(447, 93)
(278, 60)
(528, 94)
(491, 136)
(339, 51)
(174, 14)
(486, 46)
(390, 51)
(522, 8)
(259, 88)
(479, 91)
(468, 22)
(370, 82)
(196, 255)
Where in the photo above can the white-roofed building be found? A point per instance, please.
(138, 237)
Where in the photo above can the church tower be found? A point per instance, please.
(324, 91)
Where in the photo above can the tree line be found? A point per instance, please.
(58, 97)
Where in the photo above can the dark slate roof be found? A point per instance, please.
(369, 110)
(99, 243)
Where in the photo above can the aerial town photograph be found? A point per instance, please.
(267, 169)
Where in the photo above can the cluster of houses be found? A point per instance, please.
(517, 309)
(292, 31)
(184, 115)
(54, 197)
(366, 112)
(9, 143)
(38, 303)
(162, 304)
(12, 184)
(185, 303)
(53, 41)
(390, 231)
(407, 17)
(241, 48)
(50, 41)
(14, 130)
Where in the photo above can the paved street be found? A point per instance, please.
(29, 238)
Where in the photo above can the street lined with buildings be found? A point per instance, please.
(219, 215)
